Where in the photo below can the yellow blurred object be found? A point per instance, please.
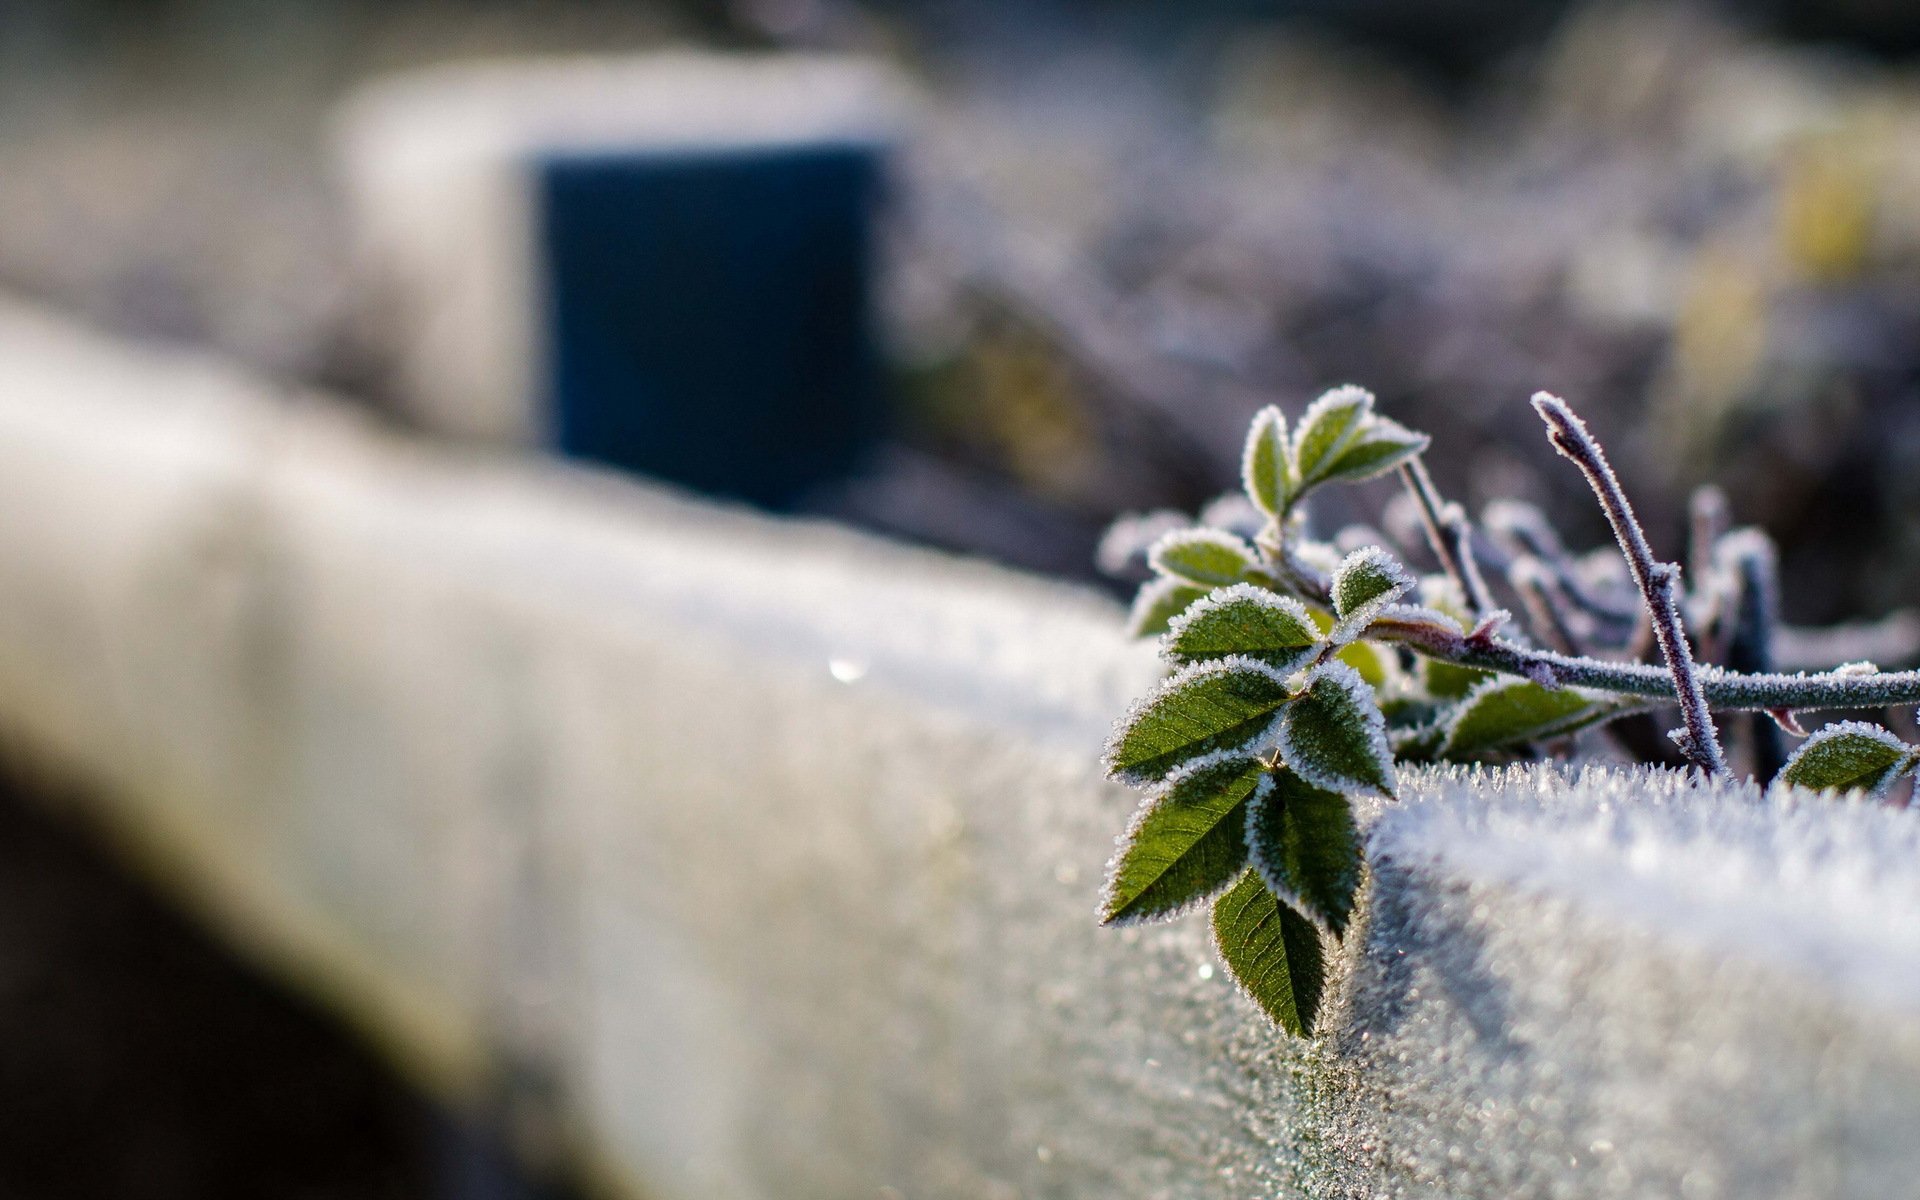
(1719, 347)
(1828, 198)
(1032, 417)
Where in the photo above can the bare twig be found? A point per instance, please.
(1539, 591)
(1450, 535)
(1657, 580)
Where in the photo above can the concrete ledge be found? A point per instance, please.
(763, 856)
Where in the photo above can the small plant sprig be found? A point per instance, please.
(1304, 677)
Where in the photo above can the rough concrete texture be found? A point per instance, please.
(763, 856)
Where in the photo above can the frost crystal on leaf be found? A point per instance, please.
(1206, 558)
(1381, 446)
(1849, 755)
(1334, 736)
(1265, 466)
(1507, 711)
(1244, 619)
(1327, 428)
(1272, 952)
(1305, 846)
(1187, 842)
(1225, 704)
(1367, 581)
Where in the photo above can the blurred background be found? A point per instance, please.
(1118, 229)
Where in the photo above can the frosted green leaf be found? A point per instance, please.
(1506, 711)
(1226, 704)
(1157, 603)
(1366, 582)
(1334, 735)
(1848, 755)
(1272, 952)
(1207, 558)
(1327, 428)
(1446, 681)
(1379, 447)
(1306, 848)
(1265, 467)
(1187, 842)
(1244, 619)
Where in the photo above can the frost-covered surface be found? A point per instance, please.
(770, 854)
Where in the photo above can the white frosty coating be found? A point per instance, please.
(1358, 399)
(1271, 875)
(436, 169)
(1267, 436)
(1172, 543)
(1376, 560)
(1373, 726)
(1460, 712)
(1140, 814)
(1239, 593)
(1865, 729)
(479, 726)
(1233, 664)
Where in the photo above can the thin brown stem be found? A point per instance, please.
(1657, 581)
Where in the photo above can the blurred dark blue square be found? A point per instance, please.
(709, 314)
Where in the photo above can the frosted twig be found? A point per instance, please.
(1724, 690)
(1748, 560)
(1540, 595)
(1450, 535)
(1526, 531)
(1657, 580)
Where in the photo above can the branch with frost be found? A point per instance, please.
(1301, 678)
(1658, 581)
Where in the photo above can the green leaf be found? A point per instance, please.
(1244, 619)
(1265, 469)
(1334, 736)
(1848, 755)
(1306, 847)
(1157, 603)
(1187, 842)
(1207, 558)
(1379, 447)
(1227, 704)
(1366, 582)
(1327, 428)
(1507, 711)
(1272, 952)
(1375, 662)
(1445, 681)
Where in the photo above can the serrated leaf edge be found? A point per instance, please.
(1271, 877)
(1345, 394)
(1375, 723)
(1122, 843)
(1179, 679)
(1479, 691)
(1221, 597)
(1909, 755)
